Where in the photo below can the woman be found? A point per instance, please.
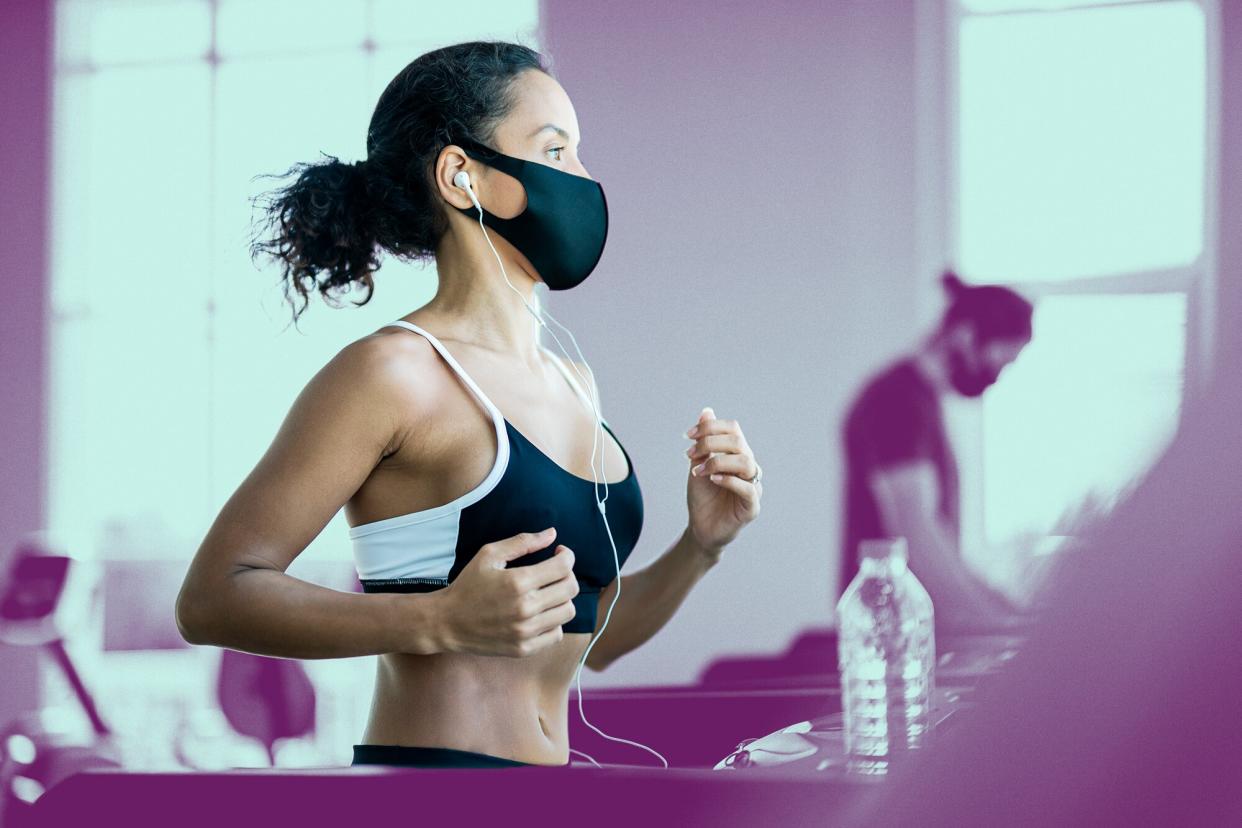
(461, 449)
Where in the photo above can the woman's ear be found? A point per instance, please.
(449, 162)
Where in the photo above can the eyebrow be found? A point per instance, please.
(564, 135)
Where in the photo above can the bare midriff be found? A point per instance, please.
(511, 707)
(515, 708)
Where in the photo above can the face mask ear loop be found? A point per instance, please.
(598, 436)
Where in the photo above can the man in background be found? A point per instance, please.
(901, 474)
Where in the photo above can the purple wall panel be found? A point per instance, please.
(25, 107)
(759, 161)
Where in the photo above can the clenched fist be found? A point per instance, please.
(493, 610)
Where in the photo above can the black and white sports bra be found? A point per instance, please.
(524, 492)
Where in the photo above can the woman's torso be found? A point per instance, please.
(529, 459)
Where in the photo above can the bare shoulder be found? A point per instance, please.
(349, 415)
(392, 366)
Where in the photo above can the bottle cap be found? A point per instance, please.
(881, 548)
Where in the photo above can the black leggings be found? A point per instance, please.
(429, 757)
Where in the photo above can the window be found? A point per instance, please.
(1080, 155)
(171, 363)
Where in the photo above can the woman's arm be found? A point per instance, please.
(236, 593)
(649, 598)
(720, 508)
(358, 408)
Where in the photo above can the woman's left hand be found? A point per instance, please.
(723, 489)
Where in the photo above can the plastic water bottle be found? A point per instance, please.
(887, 656)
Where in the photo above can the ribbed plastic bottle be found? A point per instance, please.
(887, 657)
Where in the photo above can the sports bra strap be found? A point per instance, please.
(473, 386)
(497, 417)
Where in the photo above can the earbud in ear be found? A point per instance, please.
(462, 179)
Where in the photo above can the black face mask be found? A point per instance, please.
(563, 228)
(969, 381)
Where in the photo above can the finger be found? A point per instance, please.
(550, 571)
(748, 492)
(742, 465)
(555, 593)
(706, 415)
(714, 426)
(545, 639)
(553, 617)
(523, 544)
(732, 443)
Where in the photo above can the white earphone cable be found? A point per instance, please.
(596, 440)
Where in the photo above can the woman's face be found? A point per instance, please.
(542, 127)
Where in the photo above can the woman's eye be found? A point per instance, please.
(558, 151)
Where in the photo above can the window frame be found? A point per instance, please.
(939, 231)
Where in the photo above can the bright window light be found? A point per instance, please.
(1087, 406)
(104, 32)
(1082, 141)
(261, 27)
(439, 24)
(173, 361)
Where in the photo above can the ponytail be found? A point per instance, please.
(321, 231)
(328, 228)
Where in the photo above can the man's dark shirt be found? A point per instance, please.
(896, 419)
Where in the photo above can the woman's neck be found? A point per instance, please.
(474, 304)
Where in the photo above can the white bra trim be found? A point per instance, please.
(479, 491)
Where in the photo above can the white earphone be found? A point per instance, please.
(462, 179)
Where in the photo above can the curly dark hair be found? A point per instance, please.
(329, 227)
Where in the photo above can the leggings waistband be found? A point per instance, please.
(429, 757)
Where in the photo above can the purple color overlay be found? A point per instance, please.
(1120, 707)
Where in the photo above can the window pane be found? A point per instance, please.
(1082, 141)
(1087, 406)
(129, 352)
(440, 24)
(172, 361)
(248, 27)
(322, 111)
(261, 362)
(73, 31)
(124, 31)
(258, 133)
